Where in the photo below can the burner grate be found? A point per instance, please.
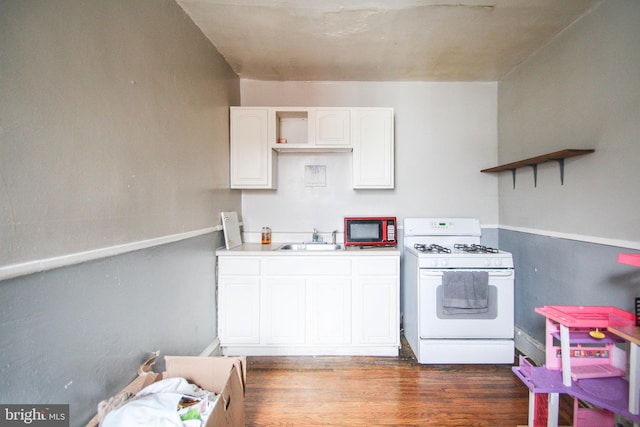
(432, 248)
(473, 248)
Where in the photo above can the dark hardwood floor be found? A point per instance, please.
(383, 391)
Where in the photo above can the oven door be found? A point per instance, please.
(496, 322)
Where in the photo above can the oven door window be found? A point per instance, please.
(490, 313)
(496, 322)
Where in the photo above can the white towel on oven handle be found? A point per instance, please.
(465, 292)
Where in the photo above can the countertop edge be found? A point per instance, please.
(258, 249)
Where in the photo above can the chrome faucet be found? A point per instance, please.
(333, 236)
(314, 238)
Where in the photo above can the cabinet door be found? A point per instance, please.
(332, 126)
(251, 157)
(329, 311)
(283, 305)
(373, 148)
(376, 311)
(238, 310)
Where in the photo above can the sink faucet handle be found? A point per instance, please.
(334, 233)
(315, 235)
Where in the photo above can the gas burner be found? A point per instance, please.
(431, 248)
(475, 248)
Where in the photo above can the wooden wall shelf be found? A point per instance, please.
(558, 156)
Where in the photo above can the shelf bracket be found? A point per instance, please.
(535, 174)
(561, 164)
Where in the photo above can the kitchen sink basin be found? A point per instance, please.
(310, 247)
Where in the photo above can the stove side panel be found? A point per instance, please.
(409, 297)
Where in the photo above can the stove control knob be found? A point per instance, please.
(498, 262)
(487, 262)
(434, 262)
(444, 263)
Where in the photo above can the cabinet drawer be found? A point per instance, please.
(307, 266)
(374, 266)
(239, 266)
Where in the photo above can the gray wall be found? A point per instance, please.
(78, 334)
(552, 271)
(580, 91)
(113, 137)
(114, 120)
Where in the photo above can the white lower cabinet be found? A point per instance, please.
(374, 315)
(329, 317)
(239, 310)
(299, 311)
(376, 300)
(284, 309)
(320, 305)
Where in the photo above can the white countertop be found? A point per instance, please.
(254, 249)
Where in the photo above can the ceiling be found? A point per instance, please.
(381, 40)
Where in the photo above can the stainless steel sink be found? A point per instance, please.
(310, 247)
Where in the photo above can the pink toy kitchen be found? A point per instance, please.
(592, 356)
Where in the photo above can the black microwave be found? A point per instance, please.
(370, 231)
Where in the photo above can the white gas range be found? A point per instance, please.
(458, 295)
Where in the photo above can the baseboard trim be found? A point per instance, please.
(530, 347)
(212, 349)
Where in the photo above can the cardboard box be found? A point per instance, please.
(224, 376)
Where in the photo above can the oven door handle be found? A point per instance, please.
(501, 273)
(492, 273)
(431, 273)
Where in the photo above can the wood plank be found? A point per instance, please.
(392, 391)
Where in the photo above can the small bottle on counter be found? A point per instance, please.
(266, 235)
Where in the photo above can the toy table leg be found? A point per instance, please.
(634, 387)
(565, 348)
(532, 409)
(554, 405)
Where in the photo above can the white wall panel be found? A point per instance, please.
(444, 134)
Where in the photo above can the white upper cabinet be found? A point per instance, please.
(258, 132)
(373, 148)
(251, 157)
(307, 129)
(332, 126)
